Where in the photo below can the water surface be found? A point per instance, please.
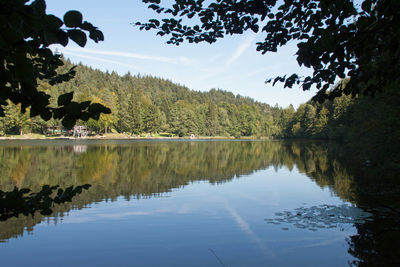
(178, 203)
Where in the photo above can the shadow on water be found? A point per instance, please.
(374, 194)
(147, 169)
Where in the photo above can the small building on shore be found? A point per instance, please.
(55, 130)
(80, 131)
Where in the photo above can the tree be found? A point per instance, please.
(286, 120)
(212, 124)
(26, 32)
(336, 39)
(321, 122)
(26, 35)
(182, 119)
(247, 118)
(15, 119)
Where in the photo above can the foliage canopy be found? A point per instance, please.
(26, 34)
(336, 39)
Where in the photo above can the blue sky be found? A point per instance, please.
(231, 64)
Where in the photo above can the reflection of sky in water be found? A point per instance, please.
(181, 227)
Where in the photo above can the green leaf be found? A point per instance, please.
(62, 37)
(86, 186)
(84, 104)
(53, 22)
(96, 35)
(35, 110)
(78, 37)
(366, 5)
(85, 116)
(73, 19)
(40, 6)
(68, 122)
(24, 68)
(51, 37)
(96, 108)
(156, 22)
(59, 113)
(87, 26)
(10, 36)
(73, 108)
(24, 190)
(65, 99)
(45, 114)
(46, 211)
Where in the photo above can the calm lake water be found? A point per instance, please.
(190, 203)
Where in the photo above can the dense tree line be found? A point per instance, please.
(145, 104)
(368, 126)
(150, 105)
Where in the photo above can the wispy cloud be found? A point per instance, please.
(246, 229)
(101, 59)
(241, 49)
(178, 60)
(212, 73)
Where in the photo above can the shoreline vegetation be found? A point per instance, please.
(146, 107)
(115, 136)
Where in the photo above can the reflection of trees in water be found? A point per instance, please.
(140, 169)
(374, 189)
(144, 169)
(377, 242)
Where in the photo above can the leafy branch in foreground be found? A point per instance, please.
(26, 32)
(336, 39)
(17, 202)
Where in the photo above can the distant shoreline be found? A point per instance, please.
(120, 137)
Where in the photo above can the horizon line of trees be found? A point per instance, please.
(146, 104)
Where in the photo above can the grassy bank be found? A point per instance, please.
(119, 136)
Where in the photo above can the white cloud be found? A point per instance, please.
(241, 49)
(101, 59)
(179, 60)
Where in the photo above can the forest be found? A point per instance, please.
(146, 105)
(355, 76)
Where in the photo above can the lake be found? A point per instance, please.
(197, 203)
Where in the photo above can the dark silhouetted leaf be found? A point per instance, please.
(78, 37)
(68, 122)
(53, 22)
(62, 37)
(73, 108)
(45, 114)
(65, 99)
(73, 19)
